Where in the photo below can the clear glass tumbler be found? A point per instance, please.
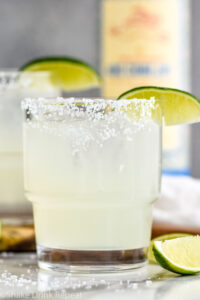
(92, 172)
(15, 86)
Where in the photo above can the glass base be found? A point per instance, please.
(90, 261)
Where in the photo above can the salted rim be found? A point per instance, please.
(95, 108)
(12, 72)
(64, 101)
(11, 78)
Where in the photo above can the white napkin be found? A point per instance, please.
(179, 203)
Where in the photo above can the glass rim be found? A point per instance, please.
(12, 78)
(53, 101)
(15, 71)
(75, 106)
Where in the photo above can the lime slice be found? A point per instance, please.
(162, 238)
(181, 255)
(178, 106)
(66, 73)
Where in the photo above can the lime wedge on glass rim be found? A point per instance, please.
(66, 73)
(178, 106)
(162, 238)
(181, 255)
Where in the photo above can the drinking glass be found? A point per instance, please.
(14, 86)
(92, 171)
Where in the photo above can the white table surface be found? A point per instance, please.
(20, 278)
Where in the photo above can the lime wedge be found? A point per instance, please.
(162, 238)
(181, 255)
(66, 73)
(178, 106)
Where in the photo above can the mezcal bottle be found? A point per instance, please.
(146, 42)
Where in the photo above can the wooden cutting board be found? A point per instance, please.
(161, 228)
(17, 238)
(22, 238)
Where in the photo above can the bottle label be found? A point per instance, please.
(142, 44)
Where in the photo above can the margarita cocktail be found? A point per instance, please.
(92, 172)
(14, 86)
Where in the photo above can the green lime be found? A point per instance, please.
(178, 106)
(162, 238)
(180, 255)
(66, 73)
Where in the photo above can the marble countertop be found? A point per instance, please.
(20, 278)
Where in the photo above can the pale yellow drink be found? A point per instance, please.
(92, 178)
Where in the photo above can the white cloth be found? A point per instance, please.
(179, 203)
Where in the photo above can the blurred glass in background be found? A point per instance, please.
(14, 86)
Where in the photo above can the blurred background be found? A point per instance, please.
(34, 28)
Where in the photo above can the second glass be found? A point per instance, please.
(92, 172)
(14, 86)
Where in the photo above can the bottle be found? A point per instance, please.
(146, 42)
